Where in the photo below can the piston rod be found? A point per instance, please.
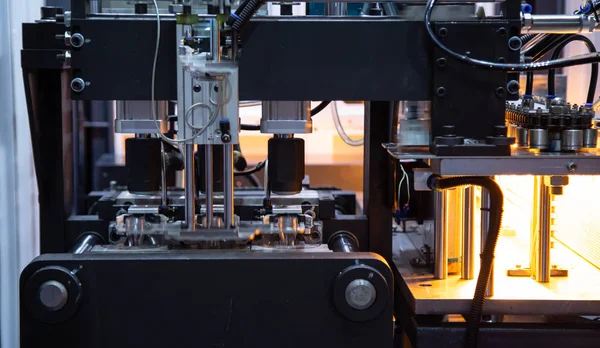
(558, 24)
(485, 226)
(228, 185)
(441, 236)
(190, 187)
(468, 237)
(542, 273)
(209, 184)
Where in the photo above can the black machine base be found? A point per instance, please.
(206, 299)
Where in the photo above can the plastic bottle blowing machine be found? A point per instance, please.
(476, 226)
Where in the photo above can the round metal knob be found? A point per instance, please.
(53, 295)
(360, 294)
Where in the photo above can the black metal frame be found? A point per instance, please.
(359, 59)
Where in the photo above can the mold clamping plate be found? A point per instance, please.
(521, 162)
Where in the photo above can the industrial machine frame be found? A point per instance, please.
(378, 60)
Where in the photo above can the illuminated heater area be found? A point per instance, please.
(573, 243)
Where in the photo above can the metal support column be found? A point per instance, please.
(485, 226)
(440, 244)
(542, 242)
(190, 187)
(468, 236)
(378, 176)
(209, 183)
(228, 185)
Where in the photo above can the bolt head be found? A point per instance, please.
(360, 294)
(53, 295)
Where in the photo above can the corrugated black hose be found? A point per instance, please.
(247, 12)
(487, 256)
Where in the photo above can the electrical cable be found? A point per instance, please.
(319, 108)
(340, 129)
(529, 85)
(593, 76)
(487, 255)
(534, 66)
(254, 170)
(153, 85)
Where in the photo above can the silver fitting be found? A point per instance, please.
(557, 24)
(77, 40)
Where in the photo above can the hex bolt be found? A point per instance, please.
(441, 92)
(501, 31)
(77, 85)
(443, 32)
(513, 87)
(571, 167)
(226, 138)
(500, 92)
(441, 62)
(515, 43)
(77, 40)
(360, 294)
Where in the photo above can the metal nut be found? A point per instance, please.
(571, 167)
(77, 85)
(77, 40)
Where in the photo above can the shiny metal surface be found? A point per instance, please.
(286, 117)
(590, 138)
(485, 226)
(228, 185)
(440, 236)
(360, 294)
(542, 241)
(414, 123)
(538, 139)
(557, 24)
(190, 186)
(522, 137)
(53, 295)
(136, 116)
(521, 162)
(572, 139)
(468, 236)
(208, 177)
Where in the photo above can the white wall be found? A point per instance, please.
(19, 241)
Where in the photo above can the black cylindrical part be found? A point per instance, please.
(86, 242)
(343, 242)
(217, 168)
(286, 165)
(141, 8)
(143, 163)
(50, 12)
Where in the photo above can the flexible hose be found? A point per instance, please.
(529, 85)
(340, 129)
(487, 256)
(534, 66)
(526, 38)
(594, 75)
(319, 108)
(247, 12)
